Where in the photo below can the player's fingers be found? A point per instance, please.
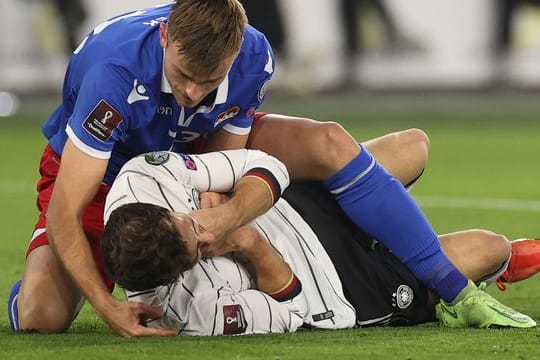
(205, 200)
(147, 311)
(146, 331)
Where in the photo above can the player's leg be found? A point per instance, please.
(478, 254)
(403, 153)
(481, 256)
(370, 196)
(48, 300)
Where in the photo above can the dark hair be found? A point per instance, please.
(207, 31)
(142, 248)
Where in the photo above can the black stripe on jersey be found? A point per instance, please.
(114, 202)
(187, 290)
(267, 176)
(207, 173)
(233, 258)
(341, 299)
(134, 172)
(206, 273)
(250, 310)
(131, 189)
(268, 240)
(216, 311)
(303, 244)
(164, 196)
(140, 293)
(169, 171)
(269, 312)
(232, 168)
(214, 264)
(171, 308)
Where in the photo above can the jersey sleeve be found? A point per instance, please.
(101, 113)
(224, 311)
(253, 94)
(220, 171)
(216, 171)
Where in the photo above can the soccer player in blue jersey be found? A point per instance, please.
(157, 79)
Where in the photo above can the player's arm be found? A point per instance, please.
(224, 140)
(256, 179)
(78, 180)
(278, 304)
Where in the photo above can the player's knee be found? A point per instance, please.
(498, 245)
(339, 146)
(415, 141)
(34, 315)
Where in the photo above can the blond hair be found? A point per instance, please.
(207, 31)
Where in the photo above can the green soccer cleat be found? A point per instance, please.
(475, 308)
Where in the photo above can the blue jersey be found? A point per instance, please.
(117, 103)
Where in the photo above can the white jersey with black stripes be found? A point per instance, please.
(218, 296)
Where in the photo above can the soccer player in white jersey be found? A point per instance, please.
(344, 278)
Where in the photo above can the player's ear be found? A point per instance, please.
(163, 34)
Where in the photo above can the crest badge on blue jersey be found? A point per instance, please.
(227, 114)
(157, 158)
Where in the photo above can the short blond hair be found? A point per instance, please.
(207, 31)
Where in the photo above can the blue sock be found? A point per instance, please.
(381, 206)
(13, 310)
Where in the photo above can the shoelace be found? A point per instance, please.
(500, 284)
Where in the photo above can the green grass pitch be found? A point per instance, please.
(477, 158)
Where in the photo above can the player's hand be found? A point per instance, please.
(236, 240)
(212, 199)
(127, 317)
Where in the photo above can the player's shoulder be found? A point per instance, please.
(255, 53)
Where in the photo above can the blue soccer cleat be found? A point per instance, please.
(13, 310)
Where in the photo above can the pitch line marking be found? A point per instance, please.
(478, 203)
(443, 202)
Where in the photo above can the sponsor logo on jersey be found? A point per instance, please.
(227, 114)
(157, 158)
(102, 121)
(234, 321)
(262, 90)
(189, 162)
(403, 297)
(137, 93)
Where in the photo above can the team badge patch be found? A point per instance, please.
(157, 158)
(262, 90)
(403, 296)
(227, 114)
(234, 321)
(189, 162)
(102, 121)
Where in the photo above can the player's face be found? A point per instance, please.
(188, 85)
(193, 234)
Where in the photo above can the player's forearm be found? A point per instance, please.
(251, 197)
(69, 243)
(272, 274)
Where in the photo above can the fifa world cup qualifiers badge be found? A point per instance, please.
(102, 121)
(157, 158)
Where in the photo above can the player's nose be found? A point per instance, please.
(194, 91)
